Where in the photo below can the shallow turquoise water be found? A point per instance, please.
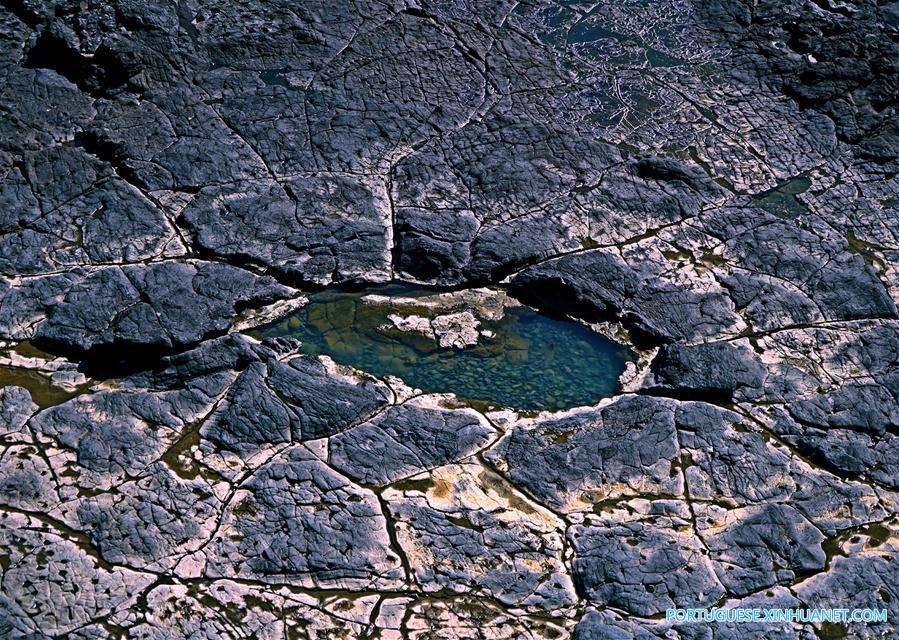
(533, 361)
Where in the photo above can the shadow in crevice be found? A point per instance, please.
(101, 74)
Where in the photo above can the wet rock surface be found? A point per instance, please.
(714, 183)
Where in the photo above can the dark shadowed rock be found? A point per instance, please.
(273, 402)
(598, 285)
(158, 307)
(717, 371)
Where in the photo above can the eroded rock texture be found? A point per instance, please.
(714, 182)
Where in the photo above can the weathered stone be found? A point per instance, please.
(274, 402)
(405, 440)
(718, 371)
(643, 565)
(598, 285)
(159, 307)
(295, 521)
(713, 182)
(627, 448)
(468, 530)
(319, 229)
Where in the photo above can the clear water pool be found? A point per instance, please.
(525, 361)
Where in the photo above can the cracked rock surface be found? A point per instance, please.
(713, 183)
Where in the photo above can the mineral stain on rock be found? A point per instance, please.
(480, 345)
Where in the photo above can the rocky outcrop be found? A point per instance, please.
(714, 183)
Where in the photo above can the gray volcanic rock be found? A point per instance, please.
(867, 576)
(757, 547)
(607, 625)
(598, 285)
(150, 523)
(713, 182)
(123, 431)
(26, 480)
(838, 386)
(50, 108)
(52, 585)
(464, 529)
(839, 283)
(25, 301)
(275, 402)
(839, 60)
(312, 229)
(161, 306)
(405, 440)
(435, 245)
(456, 175)
(709, 370)
(570, 463)
(298, 522)
(16, 407)
(725, 460)
(70, 209)
(205, 366)
(644, 565)
(845, 452)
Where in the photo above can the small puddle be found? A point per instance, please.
(782, 200)
(479, 344)
(43, 392)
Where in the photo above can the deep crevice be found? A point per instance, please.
(100, 75)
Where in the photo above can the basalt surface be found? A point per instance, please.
(713, 184)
